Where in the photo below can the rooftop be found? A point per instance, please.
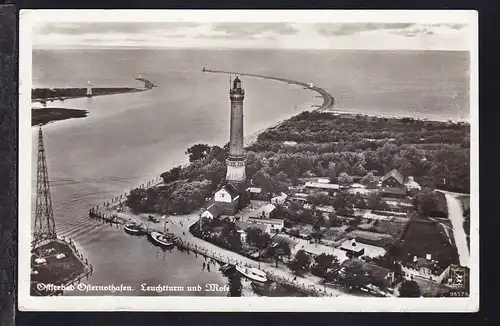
(254, 190)
(351, 245)
(265, 220)
(395, 174)
(231, 190)
(279, 238)
(393, 191)
(432, 265)
(214, 210)
(245, 225)
(322, 185)
(268, 208)
(282, 195)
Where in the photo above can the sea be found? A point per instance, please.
(128, 139)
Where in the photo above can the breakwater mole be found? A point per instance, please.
(328, 100)
(52, 94)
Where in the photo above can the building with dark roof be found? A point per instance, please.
(370, 270)
(425, 268)
(227, 199)
(352, 248)
(392, 184)
(392, 178)
(213, 211)
(265, 211)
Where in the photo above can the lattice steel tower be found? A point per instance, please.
(44, 216)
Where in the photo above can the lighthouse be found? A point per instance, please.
(236, 161)
(89, 89)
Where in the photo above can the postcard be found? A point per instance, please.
(248, 160)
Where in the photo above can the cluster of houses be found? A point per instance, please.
(393, 186)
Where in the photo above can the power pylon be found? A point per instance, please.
(44, 216)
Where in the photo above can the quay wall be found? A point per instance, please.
(221, 259)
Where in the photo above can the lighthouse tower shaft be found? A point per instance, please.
(236, 160)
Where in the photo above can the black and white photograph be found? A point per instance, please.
(248, 160)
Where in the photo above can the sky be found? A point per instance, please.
(346, 36)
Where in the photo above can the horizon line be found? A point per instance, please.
(62, 48)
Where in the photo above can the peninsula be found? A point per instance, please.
(53, 94)
(41, 116)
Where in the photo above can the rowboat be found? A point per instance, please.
(133, 228)
(160, 239)
(253, 273)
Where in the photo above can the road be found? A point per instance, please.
(455, 213)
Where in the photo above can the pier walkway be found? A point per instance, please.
(177, 227)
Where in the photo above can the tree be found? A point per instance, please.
(189, 196)
(230, 237)
(369, 180)
(354, 275)
(426, 202)
(300, 264)
(317, 235)
(334, 220)
(280, 182)
(257, 237)
(410, 289)
(344, 178)
(324, 263)
(319, 198)
(332, 172)
(355, 221)
(280, 250)
(214, 172)
(172, 175)
(375, 201)
(197, 152)
(306, 216)
(218, 154)
(262, 179)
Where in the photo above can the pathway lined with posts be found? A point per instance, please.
(177, 228)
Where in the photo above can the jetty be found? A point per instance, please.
(52, 94)
(177, 229)
(328, 100)
(184, 243)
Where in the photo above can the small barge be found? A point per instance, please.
(134, 229)
(253, 274)
(160, 239)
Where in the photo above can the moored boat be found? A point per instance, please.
(160, 239)
(253, 273)
(133, 228)
(227, 268)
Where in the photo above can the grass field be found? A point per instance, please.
(423, 237)
(393, 228)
